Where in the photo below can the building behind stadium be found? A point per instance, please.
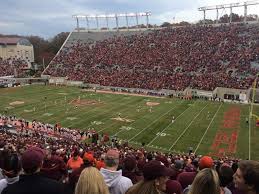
(16, 48)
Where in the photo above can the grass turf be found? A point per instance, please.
(197, 123)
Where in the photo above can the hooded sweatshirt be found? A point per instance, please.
(4, 182)
(117, 183)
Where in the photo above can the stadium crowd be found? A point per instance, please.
(171, 58)
(12, 67)
(38, 158)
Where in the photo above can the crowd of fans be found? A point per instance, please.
(202, 57)
(12, 67)
(39, 159)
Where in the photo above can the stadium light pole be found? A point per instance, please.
(230, 6)
(147, 20)
(217, 21)
(127, 22)
(117, 22)
(137, 20)
(107, 22)
(97, 22)
(87, 23)
(113, 16)
(77, 24)
(230, 16)
(245, 12)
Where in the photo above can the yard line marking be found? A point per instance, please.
(153, 122)
(187, 128)
(137, 120)
(168, 125)
(125, 109)
(104, 112)
(207, 129)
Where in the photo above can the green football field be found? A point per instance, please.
(208, 127)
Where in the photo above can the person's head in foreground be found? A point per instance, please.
(155, 177)
(246, 178)
(206, 182)
(91, 182)
(32, 160)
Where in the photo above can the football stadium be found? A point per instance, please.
(143, 101)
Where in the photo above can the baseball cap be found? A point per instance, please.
(155, 169)
(205, 162)
(89, 157)
(130, 163)
(32, 158)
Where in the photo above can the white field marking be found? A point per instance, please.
(79, 114)
(176, 141)
(121, 129)
(47, 114)
(169, 125)
(71, 118)
(25, 110)
(112, 114)
(207, 129)
(152, 123)
(134, 122)
(97, 123)
(9, 107)
(127, 128)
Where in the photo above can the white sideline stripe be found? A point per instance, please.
(176, 141)
(154, 122)
(207, 129)
(168, 125)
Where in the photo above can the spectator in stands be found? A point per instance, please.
(88, 160)
(100, 162)
(130, 169)
(205, 182)
(117, 183)
(75, 161)
(225, 173)
(53, 166)
(246, 178)
(173, 187)
(91, 182)
(32, 181)
(155, 177)
(11, 169)
(186, 178)
(2, 153)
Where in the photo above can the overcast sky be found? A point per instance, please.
(47, 18)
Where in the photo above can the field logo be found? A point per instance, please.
(9, 107)
(97, 123)
(47, 114)
(227, 135)
(161, 134)
(71, 118)
(25, 110)
(16, 103)
(127, 128)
